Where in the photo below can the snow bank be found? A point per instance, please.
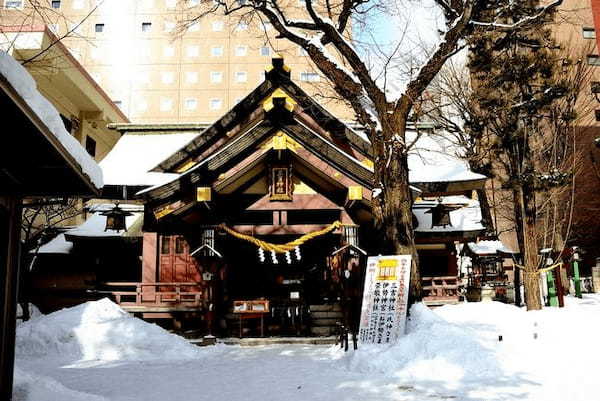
(432, 350)
(26, 87)
(34, 387)
(99, 330)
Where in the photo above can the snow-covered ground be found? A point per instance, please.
(97, 352)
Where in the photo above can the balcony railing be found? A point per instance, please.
(444, 289)
(155, 296)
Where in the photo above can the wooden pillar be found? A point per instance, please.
(10, 224)
(150, 260)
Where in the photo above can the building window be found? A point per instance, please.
(589, 33)
(95, 53)
(216, 77)
(146, 26)
(217, 26)
(242, 2)
(302, 51)
(77, 4)
(165, 245)
(76, 28)
(238, 99)
(267, 26)
(170, 4)
(265, 51)
(263, 75)
(241, 76)
(97, 77)
(309, 77)
(141, 104)
(99, 28)
(118, 103)
(179, 245)
(216, 51)
(215, 104)
(167, 77)
(168, 51)
(53, 28)
(191, 77)
(192, 3)
(192, 51)
(593, 59)
(90, 146)
(242, 26)
(15, 4)
(169, 26)
(166, 104)
(241, 51)
(143, 77)
(191, 104)
(55, 3)
(193, 27)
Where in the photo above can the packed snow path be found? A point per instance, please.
(453, 353)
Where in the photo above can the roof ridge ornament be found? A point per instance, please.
(277, 69)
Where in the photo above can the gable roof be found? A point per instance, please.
(277, 82)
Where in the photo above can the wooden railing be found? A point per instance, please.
(440, 288)
(154, 294)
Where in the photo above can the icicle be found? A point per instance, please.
(297, 252)
(288, 258)
(261, 255)
(274, 257)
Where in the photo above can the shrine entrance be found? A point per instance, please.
(291, 284)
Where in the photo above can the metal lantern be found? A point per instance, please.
(115, 218)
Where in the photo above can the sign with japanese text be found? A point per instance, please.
(385, 299)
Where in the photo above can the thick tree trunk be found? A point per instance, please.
(530, 251)
(392, 205)
(484, 203)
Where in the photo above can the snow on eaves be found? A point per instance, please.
(433, 159)
(131, 159)
(92, 227)
(466, 218)
(488, 247)
(22, 82)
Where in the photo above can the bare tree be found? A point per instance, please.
(553, 126)
(324, 31)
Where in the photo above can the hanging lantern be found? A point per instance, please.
(115, 218)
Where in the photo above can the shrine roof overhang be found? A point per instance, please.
(251, 108)
(448, 236)
(253, 143)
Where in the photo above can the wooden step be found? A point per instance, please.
(326, 315)
(325, 322)
(325, 308)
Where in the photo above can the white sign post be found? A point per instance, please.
(385, 299)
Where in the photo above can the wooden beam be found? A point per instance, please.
(9, 257)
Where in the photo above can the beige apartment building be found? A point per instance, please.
(158, 72)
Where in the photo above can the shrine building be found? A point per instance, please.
(267, 213)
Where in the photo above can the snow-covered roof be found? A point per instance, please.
(433, 159)
(26, 87)
(58, 245)
(465, 218)
(93, 227)
(488, 247)
(135, 154)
